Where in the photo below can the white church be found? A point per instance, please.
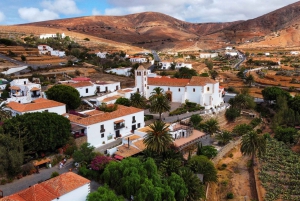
(201, 90)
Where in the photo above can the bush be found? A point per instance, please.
(89, 174)
(232, 113)
(255, 122)
(229, 195)
(148, 117)
(223, 166)
(54, 174)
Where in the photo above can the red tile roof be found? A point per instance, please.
(96, 117)
(49, 190)
(81, 79)
(166, 81)
(201, 81)
(79, 84)
(38, 104)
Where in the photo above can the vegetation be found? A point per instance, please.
(185, 73)
(253, 144)
(224, 137)
(159, 102)
(232, 113)
(85, 154)
(65, 94)
(241, 129)
(54, 174)
(104, 193)
(108, 108)
(186, 107)
(208, 151)
(123, 101)
(211, 126)
(137, 100)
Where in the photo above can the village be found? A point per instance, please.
(74, 112)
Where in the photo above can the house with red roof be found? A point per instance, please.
(65, 187)
(201, 90)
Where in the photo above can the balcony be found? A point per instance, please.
(102, 130)
(35, 96)
(133, 121)
(119, 126)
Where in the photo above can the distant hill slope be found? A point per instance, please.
(154, 30)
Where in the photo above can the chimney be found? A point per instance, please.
(128, 143)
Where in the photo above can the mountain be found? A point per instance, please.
(154, 30)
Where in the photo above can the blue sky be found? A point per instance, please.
(21, 11)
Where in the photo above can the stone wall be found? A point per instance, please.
(79, 141)
(226, 149)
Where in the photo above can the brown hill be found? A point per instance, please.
(154, 30)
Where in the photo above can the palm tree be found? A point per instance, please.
(250, 80)
(224, 137)
(159, 102)
(158, 139)
(253, 144)
(211, 126)
(137, 100)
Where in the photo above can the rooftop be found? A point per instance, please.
(105, 100)
(97, 117)
(166, 81)
(186, 140)
(51, 189)
(37, 104)
(79, 84)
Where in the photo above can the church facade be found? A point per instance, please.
(201, 90)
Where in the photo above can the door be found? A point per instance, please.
(106, 89)
(98, 89)
(117, 133)
(133, 127)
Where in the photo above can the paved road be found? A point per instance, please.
(25, 182)
(237, 66)
(155, 55)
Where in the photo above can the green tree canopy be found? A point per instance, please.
(211, 126)
(177, 185)
(185, 73)
(159, 102)
(208, 151)
(287, 135)
(104, 193)
(253, 144)
(65, 94)
(85, 154)
(242, 101)
(202, 165)
(39, 131)
(123, 101)
(242, 129)
(224, 137)
(137, 100)
(232, 113)
(196, 119)
(270, 94)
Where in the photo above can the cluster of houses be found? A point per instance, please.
(47, 50)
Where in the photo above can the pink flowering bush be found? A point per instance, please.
(100, 162)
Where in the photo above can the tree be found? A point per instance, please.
(232, 113)
(137, 100)
(213, 74)
(85, 154)
(270, 94)
(295, 103)
(241, 129)
(250, 80)
(39, 131)
(196, 119)
(252, 144)
(123, 101)
(11, 155)
(208, 151)
(193, 184)
(104, 193)
(202, 165)
(185, 73)
(64, 94)
(100, 162)
(211, 126)
(287, 135)
(177, 185)
(224, 137)
(158, 138)
(242, 101)
(23, 58)
(159, 102)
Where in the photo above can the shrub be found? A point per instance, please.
(54, 174)
(3, 181)
(229, 195)
(223, 166)
(231, 155)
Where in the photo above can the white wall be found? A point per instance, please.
(194, 96)
(94, 134)
(138, 60)
(78, 194)
(120, 71)
(58, 110)
(90, 91)
(181, 65)
(177, 96)
(110, 86)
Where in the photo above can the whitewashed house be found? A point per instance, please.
(201, 90)
(88, 88)
(112, 97)
(232, 54)
(102, 55)
(165, 65)
(38, 105)
(105, 127)
(228, 48)
(181, 65)
(65, 187)
(120, 71)
(294, 52)
(45, 49)
(138, 59)
(24, 91)
(208, 55)
(267, 54)
(44, 36)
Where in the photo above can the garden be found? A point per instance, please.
(186, 107)
(280, 172)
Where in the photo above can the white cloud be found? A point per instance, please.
(35, 14)
(96, 12)
(199, 10)
(66, 7)
(2, 16)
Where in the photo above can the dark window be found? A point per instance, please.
(178, 89)
(133, 119)
(102, 135)
(168, 89)
(102, 128)
(193, 89)
(139, 125)
(46, 111)
(207, 88)
(138, 90)
(147, 87)
(87, 90)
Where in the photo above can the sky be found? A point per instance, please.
(198, 11)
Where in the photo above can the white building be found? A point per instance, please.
(105, 127)
(88, 88)
(65, 187)
(138, 59)
(201, 90)
(120, 71)
(208, 55)
(294, 52)
(228, 48)
(181, 65)
(44, 36)
(167, 65)
(112, 97)
(38, 105)
(24, 91)
(267, 54)
(45, 49)
(232, 54)
(102, 55)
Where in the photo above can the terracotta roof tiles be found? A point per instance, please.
(166, 81)
(79, 84)
(38, 104)
(201, 81)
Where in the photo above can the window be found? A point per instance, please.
(169, 89)
(46, 111)
(207, 88)
(133, 119)
(194, 90)
(102, 128)
(178, 89)
(145, 79)
(138, 90)
(139, 125)
(87, 90)
(102, 135)
(144, 72)
(147, 87)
